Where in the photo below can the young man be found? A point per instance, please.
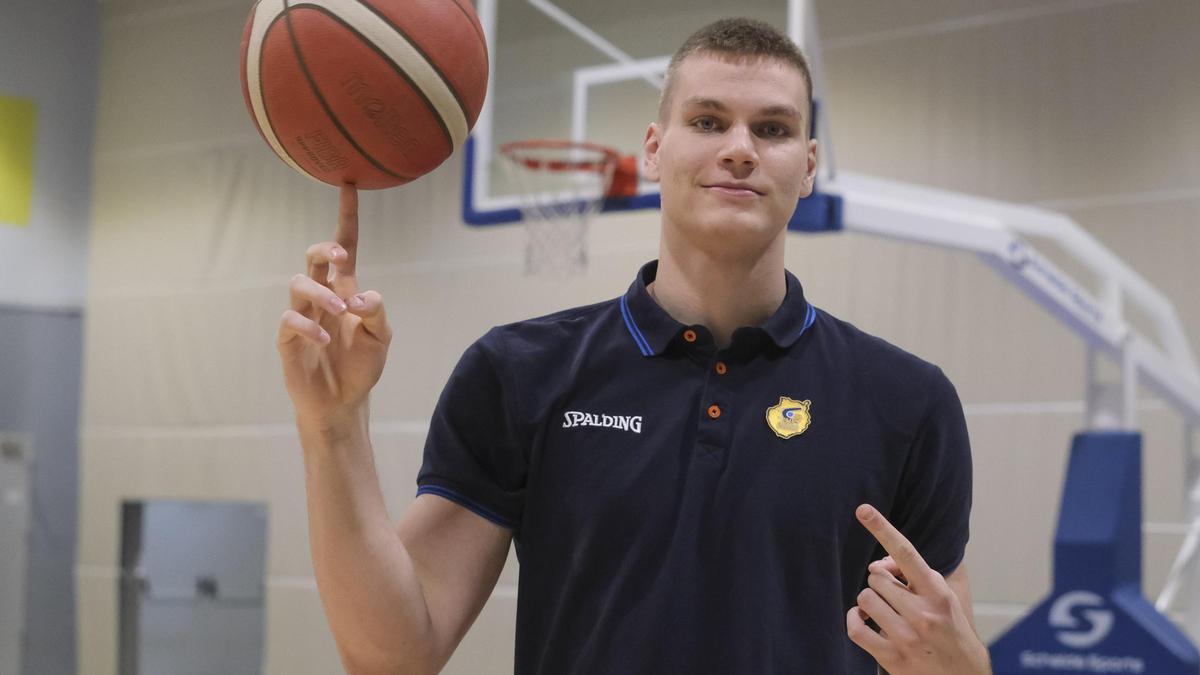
(685, 470)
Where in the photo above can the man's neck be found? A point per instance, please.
(720, 294)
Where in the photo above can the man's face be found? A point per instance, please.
(732, 154)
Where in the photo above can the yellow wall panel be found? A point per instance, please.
(17, 117)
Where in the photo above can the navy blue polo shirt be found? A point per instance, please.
(679, 508)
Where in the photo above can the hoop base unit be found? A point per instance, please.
(1095, 619)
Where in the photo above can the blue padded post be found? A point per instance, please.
(1095, 619)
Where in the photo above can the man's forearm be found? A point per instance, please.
(367, 582)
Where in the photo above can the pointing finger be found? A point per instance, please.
(896, 544)
(347, 232)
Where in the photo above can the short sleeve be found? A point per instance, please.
(473, 456)
(933, 503)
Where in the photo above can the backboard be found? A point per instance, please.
(586, 70)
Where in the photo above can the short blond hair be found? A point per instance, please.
(738, 38)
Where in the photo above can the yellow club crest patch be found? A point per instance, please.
(789, 418)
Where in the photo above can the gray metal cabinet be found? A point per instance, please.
(192, 588)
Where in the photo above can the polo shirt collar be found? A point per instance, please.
(652, 329)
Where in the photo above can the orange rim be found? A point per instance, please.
(524, 153)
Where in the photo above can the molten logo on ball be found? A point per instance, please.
(387, 119)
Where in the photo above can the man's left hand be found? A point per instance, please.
(923, 627)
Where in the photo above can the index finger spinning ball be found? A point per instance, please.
(370, 92)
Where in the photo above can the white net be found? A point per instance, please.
(562, 185)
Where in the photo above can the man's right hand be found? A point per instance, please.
(334, 339)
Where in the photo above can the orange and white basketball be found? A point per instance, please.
(370, 92)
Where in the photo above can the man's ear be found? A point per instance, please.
(810, 169)
(650, 149)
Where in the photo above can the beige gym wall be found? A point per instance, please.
(1090, 107)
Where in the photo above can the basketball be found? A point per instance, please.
(370, 92)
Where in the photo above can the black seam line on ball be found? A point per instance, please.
(482, 39)
(445, 80)
(262, 53)
(433, 111)
(287, 10)
(429, 105)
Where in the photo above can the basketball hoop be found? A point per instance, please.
(562, 183)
